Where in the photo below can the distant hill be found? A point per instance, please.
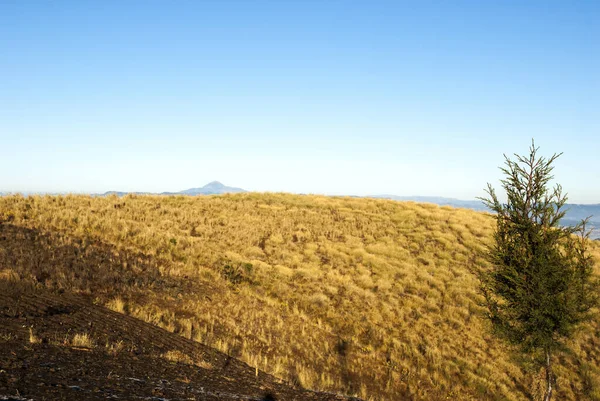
(575, 212)
(119, 193)
(212, 188)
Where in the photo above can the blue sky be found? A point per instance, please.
(335, 97)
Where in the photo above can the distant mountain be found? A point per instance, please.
(212, 188)
(578, 212)
(119, 193)
(575, 212)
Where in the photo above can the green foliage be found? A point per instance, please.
(238, 273)
(541, 285)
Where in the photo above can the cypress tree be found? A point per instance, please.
(540, 287)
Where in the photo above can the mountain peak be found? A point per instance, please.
(212, 188)
(214, 185)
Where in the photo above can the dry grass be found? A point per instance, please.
(33, 339)
(179, 357)
(77, 340)
(116, 304)
(82, 340)
(115, 348)
(368, 297)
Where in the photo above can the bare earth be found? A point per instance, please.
(52, 368)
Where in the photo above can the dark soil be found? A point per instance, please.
(52, 369)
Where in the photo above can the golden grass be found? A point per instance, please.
(180, 357)
(33, 339)
(79, 340)
(116, 304)
(82, 340)
(368, 297)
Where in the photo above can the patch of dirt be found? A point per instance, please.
(125, 358)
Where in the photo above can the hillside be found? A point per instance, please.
(366, 297)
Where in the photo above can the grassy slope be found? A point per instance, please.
(371, 297)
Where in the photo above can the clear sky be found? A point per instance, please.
(334, 97)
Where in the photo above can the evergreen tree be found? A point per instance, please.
(541, 285)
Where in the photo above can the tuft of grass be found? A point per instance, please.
(116, 304)
(8, 336)
(82, 340)
(179, 357)
(33, 339)
(115, 348)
